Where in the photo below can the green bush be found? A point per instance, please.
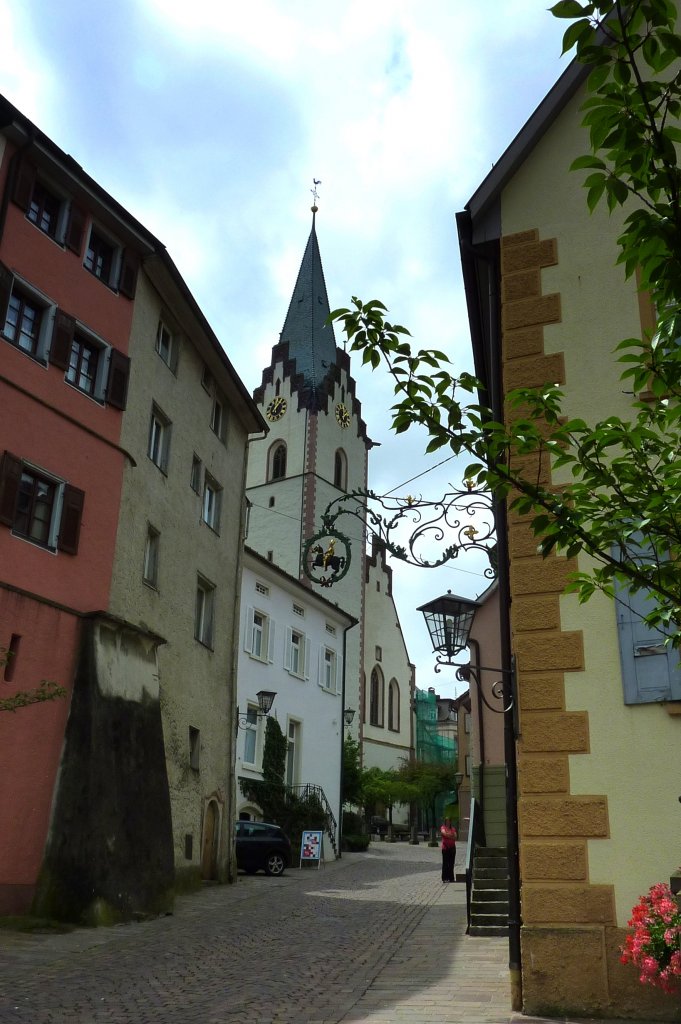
(352, 823)
(355, 843)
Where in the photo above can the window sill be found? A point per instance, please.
(150, 586)
(208, 646)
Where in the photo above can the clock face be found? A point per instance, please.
(276, 409)
(342, 415)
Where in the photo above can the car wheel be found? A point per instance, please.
(274, 864)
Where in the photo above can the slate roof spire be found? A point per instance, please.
(311, 341)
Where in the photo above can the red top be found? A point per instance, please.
(448, 834)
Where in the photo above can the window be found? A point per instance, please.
(297, 656)
(329, 670)
(43, 209)
(467, 765)
(467, 722)
(159, 439)
(207, 382)
(259, 635)
(38, 506)
(299, 611)
(100, 257)
(394, 706)
(11, 657)
(195, 479)
(91, 365)
(260, 588)
(212, 499)
(166, 346)
(379, 653)
(194, 748)
(24, 316)
(340, 470)
(376, 699)
(151, 556)
(278, 461)
(42, 204)
(331, 630)
(35, 508)
(204, 612)
(250, 734)
(218, 419)
(83, 365)
(22, 326)
(292, 753)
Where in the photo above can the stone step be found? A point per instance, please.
(486, 930)
(490, 920)
(483, 872)
(491, 862)
(489, 895)
(492, 851)
(490, 883)
(498, 907)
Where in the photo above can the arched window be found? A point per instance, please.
(278, 461)
(376, 698)
(394, 706)
(340, 470)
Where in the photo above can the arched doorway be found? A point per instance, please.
(211, 841)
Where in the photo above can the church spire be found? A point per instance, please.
(311, 341)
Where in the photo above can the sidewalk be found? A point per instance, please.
(440, 975)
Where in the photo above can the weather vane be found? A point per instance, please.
(315, 193)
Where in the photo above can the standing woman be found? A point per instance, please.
(448, 833)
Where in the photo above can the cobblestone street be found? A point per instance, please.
(340, 944)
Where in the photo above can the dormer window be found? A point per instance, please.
(99, 257)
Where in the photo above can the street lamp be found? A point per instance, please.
(265, 702)
(348, 716)
(449, 620)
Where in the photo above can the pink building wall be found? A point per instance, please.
(47, 422)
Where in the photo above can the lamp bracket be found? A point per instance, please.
(466, 671)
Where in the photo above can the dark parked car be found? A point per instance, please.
(379, 825)
(262, 847)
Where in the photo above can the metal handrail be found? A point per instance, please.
(308, 790)
(476, 838)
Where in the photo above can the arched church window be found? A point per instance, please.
(394, 706)
(376, 698)
(278, 461)
(340, 470)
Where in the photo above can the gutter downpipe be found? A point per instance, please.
(507, 662)
(488, 370)
(342, 733)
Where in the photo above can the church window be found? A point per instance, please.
(278, 461)
(340, 470)
(376, 699)
(394, 706)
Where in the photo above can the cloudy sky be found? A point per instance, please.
(209, 119)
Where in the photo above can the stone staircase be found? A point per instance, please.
(489, 892)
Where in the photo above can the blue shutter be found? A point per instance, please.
(650, 670)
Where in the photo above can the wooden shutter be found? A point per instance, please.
(650, 669)
(117, 383)
(24, 184)
(248, 634)
(10, 478)
(287, 649)
(62, 339)
(270, 640)
(71, 515)
(75, 230)
(127, 282)
(6, 279)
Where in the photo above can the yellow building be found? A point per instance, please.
(599, 751)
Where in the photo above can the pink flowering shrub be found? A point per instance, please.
(655, 943)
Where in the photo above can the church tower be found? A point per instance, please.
(317, 450)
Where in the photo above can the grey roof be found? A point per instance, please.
(311, 342)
